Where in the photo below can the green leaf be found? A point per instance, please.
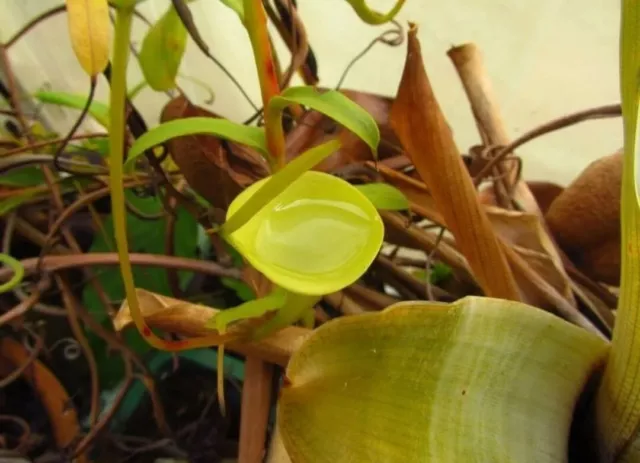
(145, 236)
(439, 273)
(223, 128)
(243, 291)
(331, 103)
(373, 17)
(99, 111)
(618, 406)
(384, 196)
(237, 6)
(483, 380)
(133, 92)
(136, 89)
(10, 203)
(162, 51)
(23, 177)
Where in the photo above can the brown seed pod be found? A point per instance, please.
(585, 219)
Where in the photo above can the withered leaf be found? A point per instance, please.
(217, 170)
(421, 127)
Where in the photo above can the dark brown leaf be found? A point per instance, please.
(215, 169)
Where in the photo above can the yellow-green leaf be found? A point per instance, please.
(223, 128)
(162, 51)
(371, 16)
(89, 30)
(384, 196)
(99, 111)
(243, 210)
(479, 380)
(618, 406)
(313, 235)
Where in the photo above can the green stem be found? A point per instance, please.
(18, 272)
(122, 32)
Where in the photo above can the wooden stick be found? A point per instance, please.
(468, 62)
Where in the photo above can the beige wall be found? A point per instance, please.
(545, 57)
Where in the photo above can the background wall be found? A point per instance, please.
(545, 58)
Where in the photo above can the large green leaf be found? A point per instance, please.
(480, 380)
(223, 128)
(618, 404)
(99, 111)
(162, 51)
(331, 103)
(145, 236)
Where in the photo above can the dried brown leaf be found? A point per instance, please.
(398, 232)
(218, 174)
(188, 319)
(422, 203)
(55, 400)
(421, 127)
(525, 233)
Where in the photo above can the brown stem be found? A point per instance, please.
(397, 232)
(58, 263)
(409, 281)
(364, 295)
(20, 309)
(343, 303)
(78, 205)
(71, 303)
(296, 40)
(85, 110)
(15, 374)
(565, 121)
(129, 357)
(40, 144)
(256, 402)
(94, 431)
(34, 22)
